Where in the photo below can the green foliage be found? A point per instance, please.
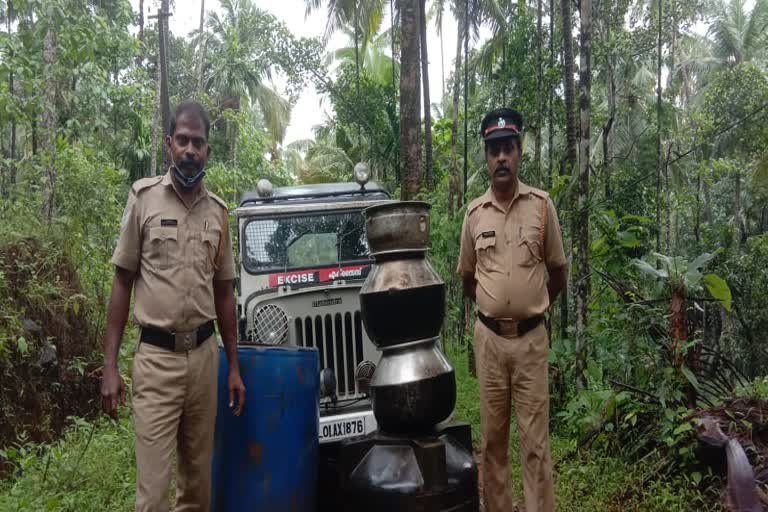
(733, 98)
(366, 126)
(91, 468)
(757, 389)
(679, 274)
(746, 274)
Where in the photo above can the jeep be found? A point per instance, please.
(303, 259)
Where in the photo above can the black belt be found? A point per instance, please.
(178, 341)
(510, 327)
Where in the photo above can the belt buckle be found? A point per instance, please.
(507, 327)
(184, 341)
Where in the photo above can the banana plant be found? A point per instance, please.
(685, 278)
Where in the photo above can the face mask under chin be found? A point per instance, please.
(188, 182)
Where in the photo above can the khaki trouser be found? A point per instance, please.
(174, 409)
(514, 369)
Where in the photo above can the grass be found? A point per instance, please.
(591, 480)
(91, 469)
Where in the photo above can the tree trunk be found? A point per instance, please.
(50, 121)
(410, 101)
(569, 162)
(34, 137)
(234, 131)
(428, 178)
(582, 288)
(737, 208)
(658, 133)
(697, 224)
(165, 106)
(442, 63)
(607, 135)
(550, 101)
(201, 48)
(141, 33)
(539, 96)
(707, 202)
(454, 187)
(141, 20)
(12, 155)
(569, 88)
(466, 101)
(357, 63)
(156, 125)
(667, 206)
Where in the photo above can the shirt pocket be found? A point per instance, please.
(531, 251)
(163, 246)
(209, 247)
(485, 250)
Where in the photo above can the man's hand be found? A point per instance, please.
(557, 279)
(112, 391)
(236, 387)
(112, 388)
(224, 299)
(470, 285)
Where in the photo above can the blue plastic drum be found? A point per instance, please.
(267, 458)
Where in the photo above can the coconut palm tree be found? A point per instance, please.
(734, 36)
(235, 74)
(740, 36)
(374, 58)
(232, 72)
(275, 113)
(318, 161)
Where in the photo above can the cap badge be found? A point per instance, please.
(502, 123)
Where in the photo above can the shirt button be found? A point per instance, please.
(507, 303)
(507, 274)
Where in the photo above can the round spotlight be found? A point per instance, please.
(362, 173)
(327, 383)
(264, 188)
(271, 325)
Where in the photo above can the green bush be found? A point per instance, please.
(90, 469)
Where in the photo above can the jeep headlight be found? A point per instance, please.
(362, 173)
(270, 325)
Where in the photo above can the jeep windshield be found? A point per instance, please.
(313, 240)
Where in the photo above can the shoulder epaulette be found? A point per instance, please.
(474, 205)
(538, 192)
(145, 183)
(219, 200)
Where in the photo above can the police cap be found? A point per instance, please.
(500, 123)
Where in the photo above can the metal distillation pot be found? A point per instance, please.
(397, 227)
(413, 388)
(402, 300)
(403, 307)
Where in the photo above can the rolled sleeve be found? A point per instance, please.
(127, 253)
(554, 255)
(225, 267)
(467, 256)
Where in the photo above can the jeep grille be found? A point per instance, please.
(338, 338)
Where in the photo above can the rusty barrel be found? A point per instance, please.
(267, 458)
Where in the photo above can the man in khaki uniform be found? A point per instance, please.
(513, 266)
(175, 250)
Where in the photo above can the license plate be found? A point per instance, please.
(342, 429)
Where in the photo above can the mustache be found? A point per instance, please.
(189, 164)
(501, 168)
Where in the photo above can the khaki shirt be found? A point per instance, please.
(510, 252)
(176, 251)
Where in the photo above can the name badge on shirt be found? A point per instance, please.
(169, 222)
(488, 234)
